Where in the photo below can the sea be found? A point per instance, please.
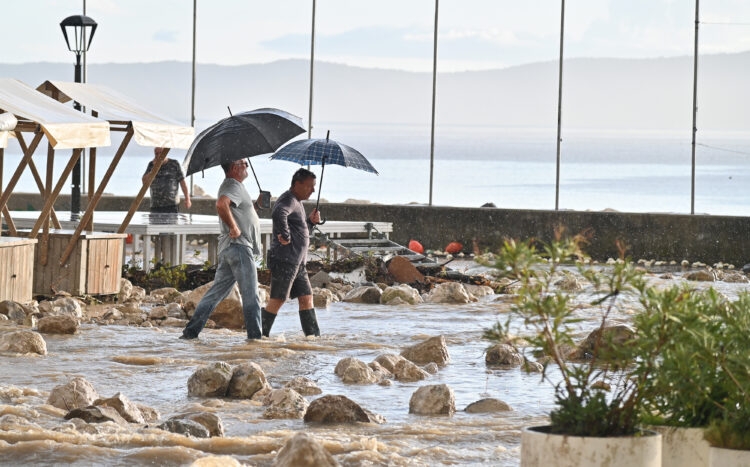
(627, 171)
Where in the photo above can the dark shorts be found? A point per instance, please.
(165, 209)
(288, 280)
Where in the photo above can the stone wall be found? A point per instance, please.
(650, 236)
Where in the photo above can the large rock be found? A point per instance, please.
(450, 292)
(336, 409)
(247, 379)
(407, 372)
(149, 414)
(488, 405)
(400, 294)
(354, 371)
(60, 324)
(166, 294)
(379, 371)
(404, 271)
(124, 406)
(23, 342)
(437, 399)
(209, 421)
(174, 310)
(735, 277)
(364, 294)
(284, 403)
(216, 461)
(570, 283)
(304, 386)
(389, 360)
(613, 338)
(185, 427)
(320, 279)
(62, 306)
(303, 450)
(74, 394)
(431, 350)
(158, 312)
(94, 414)
(700, 276)
(126, 288)
(323, 297)
(478, 291)
(210, 380)
(503, 354)
(194, 297)
(14, 311)
(228, 313)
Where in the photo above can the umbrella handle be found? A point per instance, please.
(256, 177)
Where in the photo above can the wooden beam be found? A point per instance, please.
(44, 247)
(89, 214)
(38, 180)
(56, 192)
(137, 201)
(19, 170)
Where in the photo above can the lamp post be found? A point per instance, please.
(78, 31)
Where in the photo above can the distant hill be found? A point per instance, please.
(599, 93)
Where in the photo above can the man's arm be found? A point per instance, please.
(279, 215)
(225, 214)
(185, 192)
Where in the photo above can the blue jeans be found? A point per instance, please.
(236, 264)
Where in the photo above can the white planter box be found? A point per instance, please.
(719, 457)
(682, 447)
(540, 449)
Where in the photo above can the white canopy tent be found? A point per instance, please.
(149, 128)
(146, 127)
(64, 127)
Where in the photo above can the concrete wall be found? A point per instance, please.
(650, 236)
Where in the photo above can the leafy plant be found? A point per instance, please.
(582, 408)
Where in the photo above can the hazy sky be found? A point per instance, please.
(473, 34)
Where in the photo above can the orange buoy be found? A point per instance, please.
(416, 247)
(129, 239)
(453, 248)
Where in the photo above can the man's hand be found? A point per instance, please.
(283, 241)
(315, 216)
(188, 203)
(234, 232)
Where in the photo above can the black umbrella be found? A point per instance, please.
(246, 134)
(322, 152)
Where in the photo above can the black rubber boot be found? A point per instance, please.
(309, 322)
(267, 321)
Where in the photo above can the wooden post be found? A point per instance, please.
(89, 214)
(5, 212)
(38, 180)
(45, 231)
(137, 201)
(19, 170)
(92, 176)
(53, 196)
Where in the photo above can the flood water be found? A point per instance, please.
(151, 367)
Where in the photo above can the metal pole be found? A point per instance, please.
(192, 96)
(559, 106)
(434, 82)
(695, 108)
(75, 195)
(85, 70)
(312, 67)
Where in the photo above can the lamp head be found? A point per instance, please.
(82, 29)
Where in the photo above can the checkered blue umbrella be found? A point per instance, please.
(322, 152)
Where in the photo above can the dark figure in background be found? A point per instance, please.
(239, 246)
(287, 257)
(164, 187)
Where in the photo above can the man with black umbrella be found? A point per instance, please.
(239, 245)
(287, 257)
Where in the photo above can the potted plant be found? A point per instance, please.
(680, 394)
(589, 426)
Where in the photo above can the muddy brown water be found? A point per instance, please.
(151, 366)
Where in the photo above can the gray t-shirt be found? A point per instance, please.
(244, 214)
(291, 222)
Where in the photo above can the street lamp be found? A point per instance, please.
(80, 30)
